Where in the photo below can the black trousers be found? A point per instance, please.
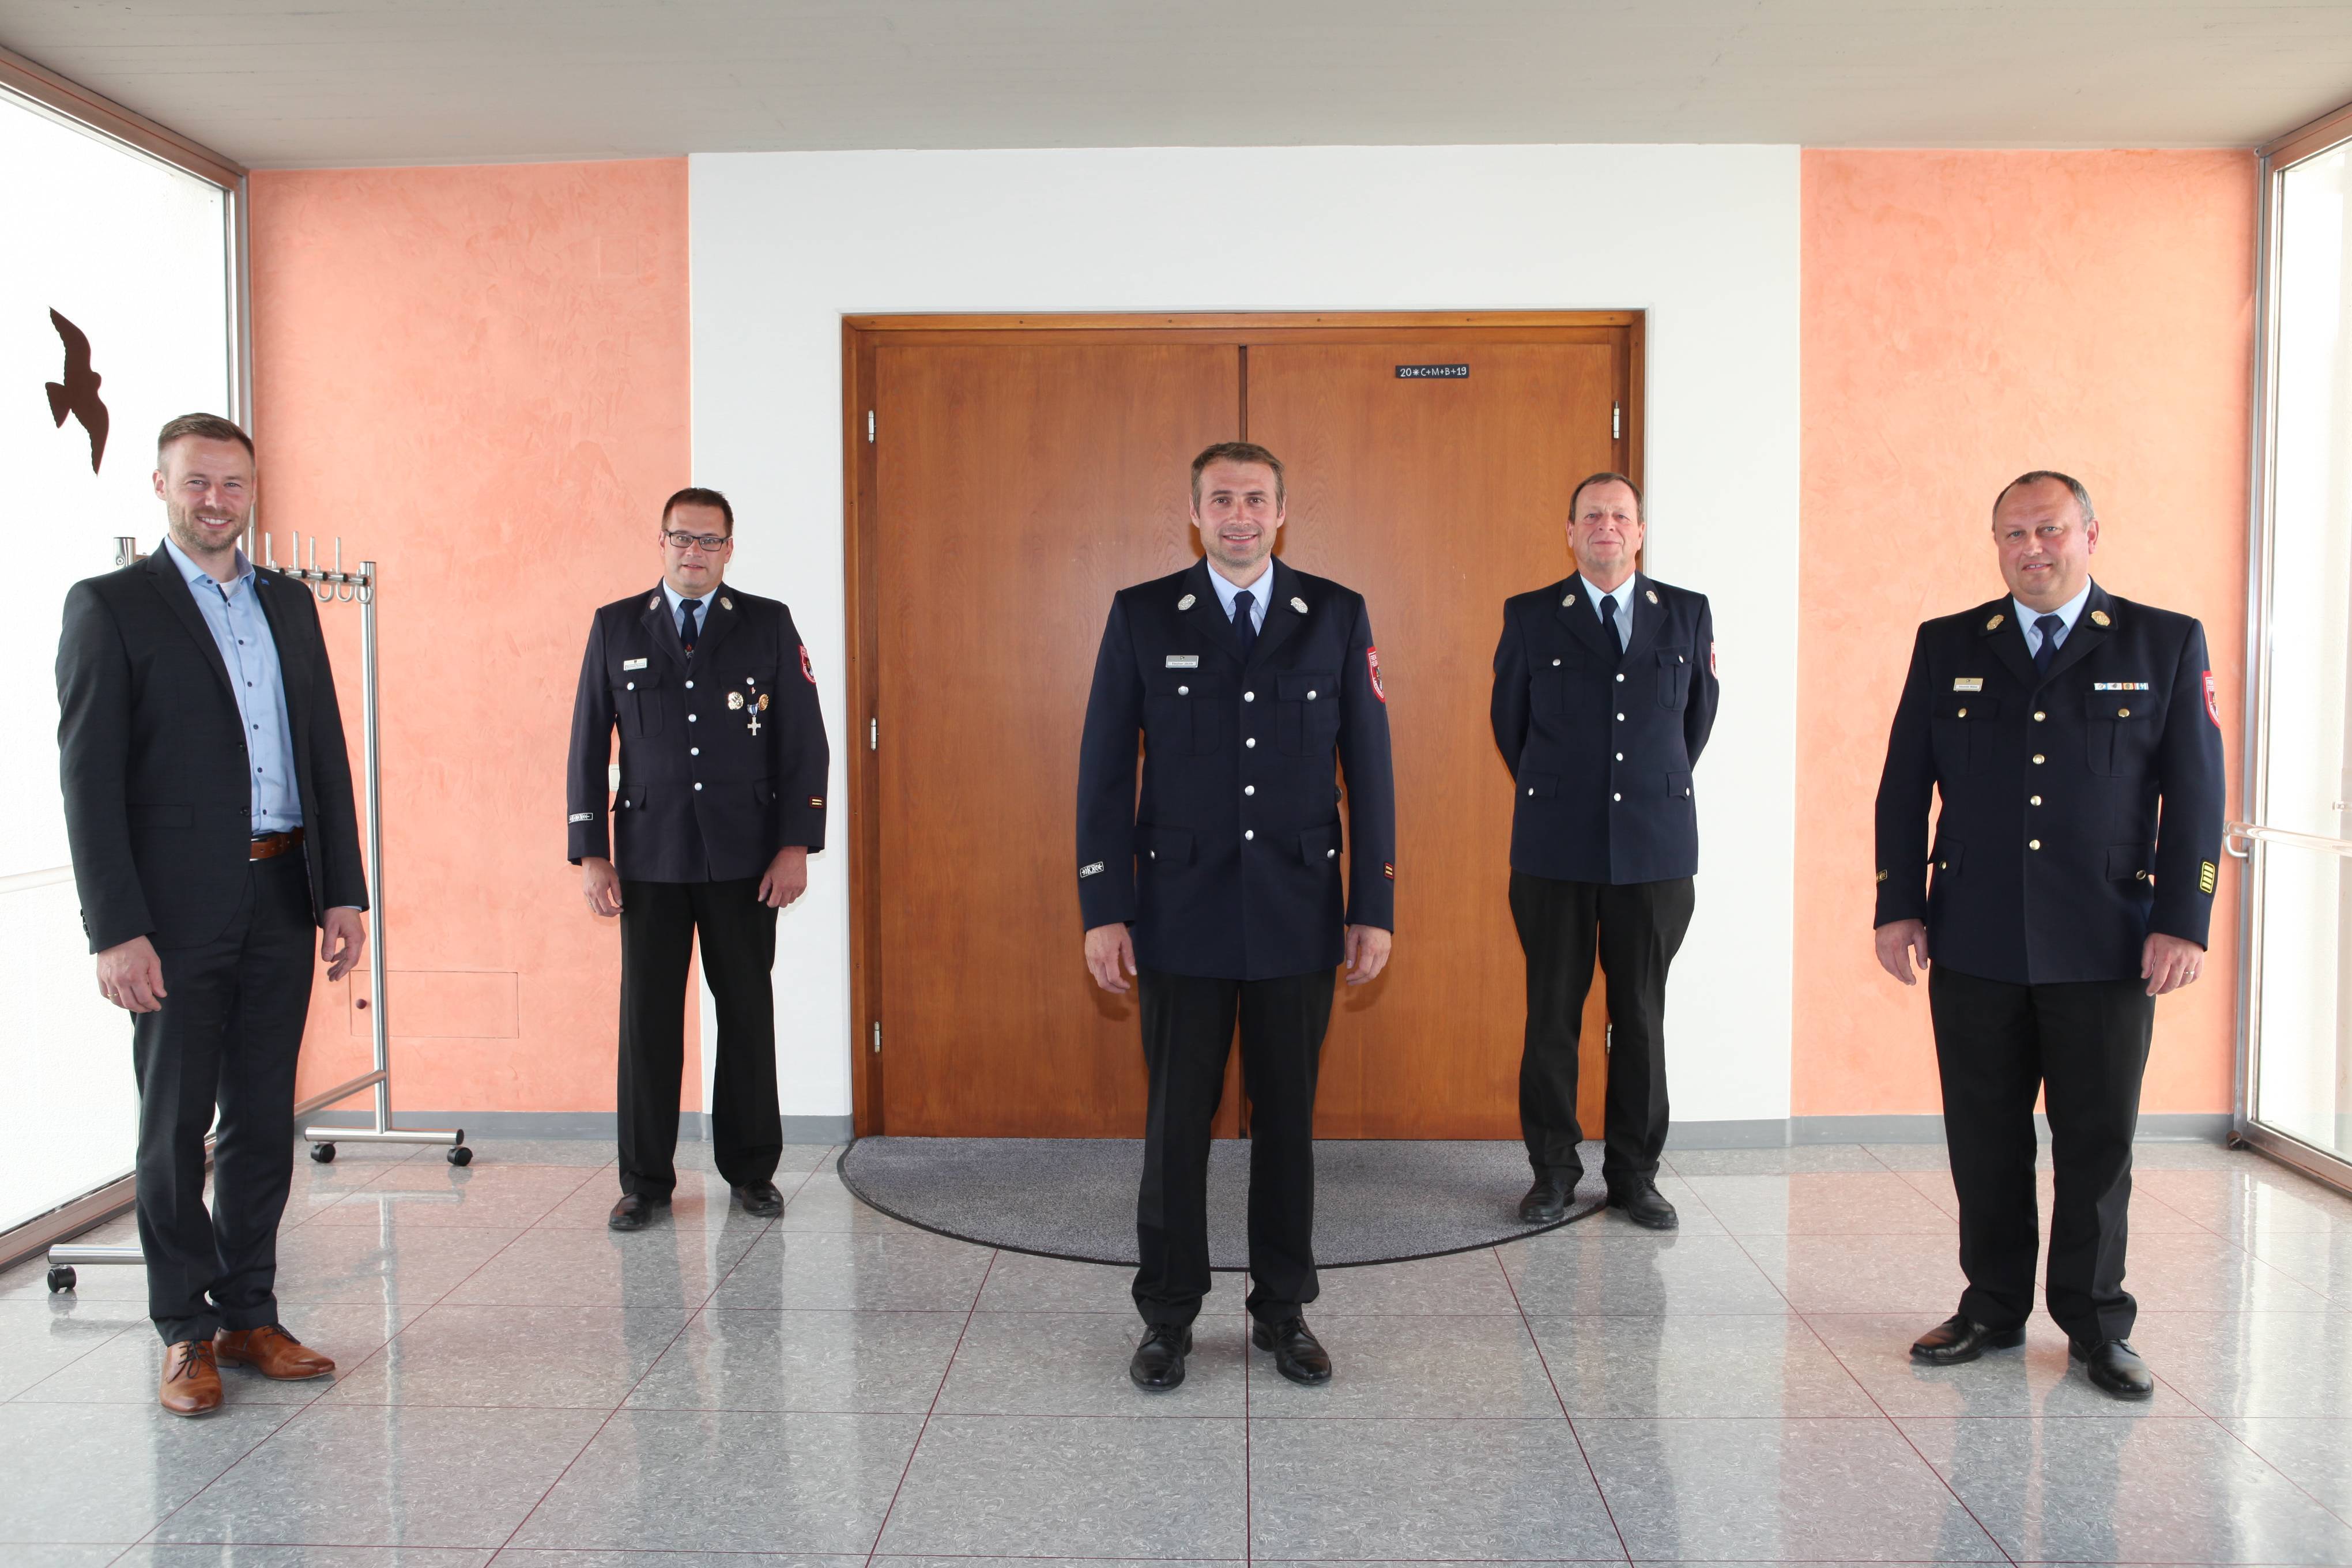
(226, 1036)
(660, 922)
(1188, 1027)
(1639, 928)
(2083, 1047)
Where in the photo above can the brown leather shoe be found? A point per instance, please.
(191, 1384)
(273, 1352)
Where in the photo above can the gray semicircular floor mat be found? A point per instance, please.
(1376, 1200)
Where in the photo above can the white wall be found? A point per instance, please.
(1705, 240)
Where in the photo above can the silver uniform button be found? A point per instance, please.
(1616, 798)
(693, 717)
(1249, 696)
(1621, 675)
(697, 787)
(694, 751)
(1251, 742)
(1249, 789)
(1310, 697)
(1183, 692)
(1330, 854)
(1249, 833)
(690, 685)
(1555, 664)
(1620, 756)
(633, 685)
(1620, 717)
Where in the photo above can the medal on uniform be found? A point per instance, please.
(735, 700)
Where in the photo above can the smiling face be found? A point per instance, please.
(206, 488)
(1605, 532)
(693, 569)
(1236, 509)
(2043, 543)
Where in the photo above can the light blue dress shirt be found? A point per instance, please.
(241, 632)
(1620, 600)
(2066, 612)
(701, 613)
(1257, 593)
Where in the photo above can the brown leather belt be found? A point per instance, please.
(271, 845)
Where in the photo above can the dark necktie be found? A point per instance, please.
(1244, 624)
(1608, 619)
(686, 622)
(2049, 626)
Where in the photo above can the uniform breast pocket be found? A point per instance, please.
(1307, 711)
(2119, 730)
(1673, 677)
(636, 697)
(1962, 732)
(1179, 715)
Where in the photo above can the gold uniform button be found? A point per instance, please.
(2039, 717)
(1963, 713)
(2037, 800)
(2123, 712)
(2037, 758)
(2033, 844)
(2139, 876)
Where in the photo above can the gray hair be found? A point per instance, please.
(2073, 485)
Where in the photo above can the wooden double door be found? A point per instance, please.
(1006, 477)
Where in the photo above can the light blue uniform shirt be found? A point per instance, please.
(1257, 593)
(2066, 612)
(677, 609)
(1619, 607)
(241, 632)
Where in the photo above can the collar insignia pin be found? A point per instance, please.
(1994, 624)
(725, 602)
(1651, 595)
(1185, 602)
(1298, 604)
(2099, 617)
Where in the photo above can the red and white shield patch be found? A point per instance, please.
(1373, 663)
(2212, 702)
(804, 665)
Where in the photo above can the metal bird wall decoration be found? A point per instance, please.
(78, 393)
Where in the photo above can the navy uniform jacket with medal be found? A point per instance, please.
(1600, 747)
(2050, 863)
(1230, 865)
(702, 796)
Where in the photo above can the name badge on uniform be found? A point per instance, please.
(1184, 661)
(1967, 683)
(632, 664)
(2120, 686)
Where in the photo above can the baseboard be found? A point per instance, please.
(692, 1125)
(1773, 1132)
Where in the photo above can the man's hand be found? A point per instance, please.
(1111, 956)
(600, 885)
(1897, 941)
(2168, 962)
(341, 940)
(786, 877)
(131, 976)
(1366, 952)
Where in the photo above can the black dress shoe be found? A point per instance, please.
(635, 1211)
(1960, 1338)
(1547, 1201)
(759, 1199)
(1643, 1204)
(1158, 1364)
(2114, 1367)
(1298, 1355)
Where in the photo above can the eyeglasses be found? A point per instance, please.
(708, 543)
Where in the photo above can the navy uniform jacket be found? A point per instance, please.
(703, 797)
(1230, 865)
(1600, 749)
(2050, 866)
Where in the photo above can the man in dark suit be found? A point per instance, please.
(1252, 685)
(2076, 744)
(208, 803)
(1604, 694)
(719, 800)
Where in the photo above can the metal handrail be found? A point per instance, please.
(2252, 833)
(26, 881)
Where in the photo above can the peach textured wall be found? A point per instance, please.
(478, 376)
(1969, 316)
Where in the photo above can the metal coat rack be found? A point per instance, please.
(332, 586)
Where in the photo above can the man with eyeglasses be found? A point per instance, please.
(701, 834)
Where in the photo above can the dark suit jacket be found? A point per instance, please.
(1230, 865)
(157, 787)
(2050, 863)
(1600, 749)
(703, 796)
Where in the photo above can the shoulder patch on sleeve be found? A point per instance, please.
(1373, 663)
(1388, 870)
(805, 669)
(2212, 702)
(2207, 872)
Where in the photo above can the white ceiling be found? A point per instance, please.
(292, 83)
